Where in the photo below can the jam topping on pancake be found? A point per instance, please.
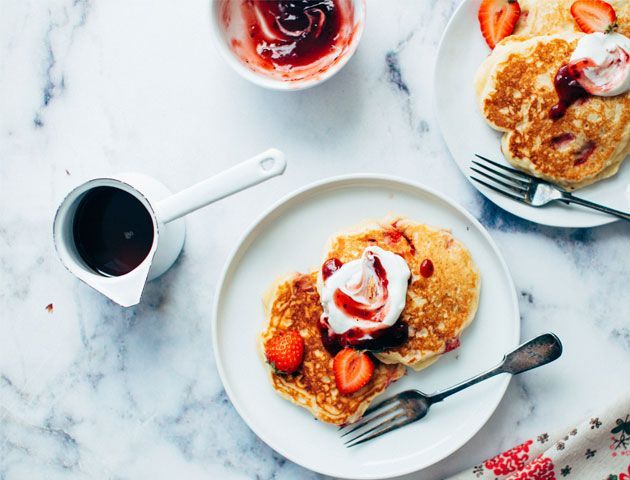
(379, 340)
(363, 300)
(568, 89)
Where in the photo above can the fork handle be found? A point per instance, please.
(535, 353)
(568, 197)
(442, 394)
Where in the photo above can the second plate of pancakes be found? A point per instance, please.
(461, 52)
(291, 237)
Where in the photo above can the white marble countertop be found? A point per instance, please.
(89, 87)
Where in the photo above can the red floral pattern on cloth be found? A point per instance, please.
(595, 449)
(510, 461)
(541, 468)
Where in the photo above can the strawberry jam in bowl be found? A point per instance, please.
(288, 44)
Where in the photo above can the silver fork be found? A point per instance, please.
(412, 405)
(530, 190)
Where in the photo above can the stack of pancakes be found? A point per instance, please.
(515, 89)
(437, 310)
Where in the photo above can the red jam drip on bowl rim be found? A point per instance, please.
(293, 32)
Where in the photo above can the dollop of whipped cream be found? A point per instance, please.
(368, 293)
(601, 63)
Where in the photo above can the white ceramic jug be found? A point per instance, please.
(166, 211)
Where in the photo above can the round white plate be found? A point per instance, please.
(465, 131)
(290, 237)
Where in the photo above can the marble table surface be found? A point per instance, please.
(90, 87)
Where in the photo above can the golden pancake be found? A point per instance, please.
(515, 89)
(437, 308)
(293, 303)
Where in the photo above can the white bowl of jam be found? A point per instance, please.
(287, 44)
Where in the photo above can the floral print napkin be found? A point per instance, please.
(597, 449)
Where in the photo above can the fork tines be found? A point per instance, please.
(507, 181)
(391, 415)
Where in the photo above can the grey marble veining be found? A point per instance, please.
(87, 87)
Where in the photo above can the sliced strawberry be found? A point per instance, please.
(581, 156)
(353, 370)
(451, 344)
(594, 16)
(497, 19)
(285, 351)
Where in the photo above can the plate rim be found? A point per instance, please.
(597, 221)
(244, 244)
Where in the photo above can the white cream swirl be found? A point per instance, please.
(368, 293)
(603, 61)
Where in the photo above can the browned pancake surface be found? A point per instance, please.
(557, 150)
(437, 308)
(295, 304)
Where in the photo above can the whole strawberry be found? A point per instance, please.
(285, 351)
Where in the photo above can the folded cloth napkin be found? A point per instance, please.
(597, 449)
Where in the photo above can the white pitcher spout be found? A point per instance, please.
(125, 290)
(166, 210)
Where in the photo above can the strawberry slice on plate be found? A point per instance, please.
(594, 16)
(353, 370)
(285, 351)
(497, 19)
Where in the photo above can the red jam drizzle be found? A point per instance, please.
(293, 32)
(582, 155)
(451, 344)
(330, 266)
(395, 235)
(378, 340)
(374, 339)
(618, 63)
(352, 308)
(560, 141)
(568, 89)
(426, 268)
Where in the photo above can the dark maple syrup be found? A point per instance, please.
(112, 230)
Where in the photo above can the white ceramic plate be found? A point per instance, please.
(465, 131)
(290, 237)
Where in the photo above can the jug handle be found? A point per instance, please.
(263, 166)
